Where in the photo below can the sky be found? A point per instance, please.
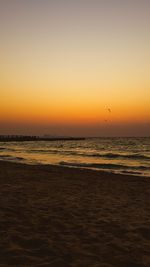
(75, 67)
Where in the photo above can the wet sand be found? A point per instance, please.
(59, 216)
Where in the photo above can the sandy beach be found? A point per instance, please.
(59, 216)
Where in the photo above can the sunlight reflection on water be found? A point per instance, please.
(113, 154)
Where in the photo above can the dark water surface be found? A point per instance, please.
(123, 155)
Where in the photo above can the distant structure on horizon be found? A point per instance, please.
(22, 138)
(6, 138)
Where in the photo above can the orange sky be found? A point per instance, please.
(75, 67)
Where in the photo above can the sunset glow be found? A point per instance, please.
(81, 66)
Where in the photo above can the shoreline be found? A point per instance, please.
(108, 171)
(91, 171)
(62, 216)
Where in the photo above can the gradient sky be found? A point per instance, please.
(75, 67)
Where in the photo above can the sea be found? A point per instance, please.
(125, 155)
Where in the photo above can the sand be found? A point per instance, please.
(59, 216)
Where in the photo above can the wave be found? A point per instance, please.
(55, 151)
(43, 151)
(98, 155)
(104, 166)
(5, 156)
(8, 149)
(10, 157)
(113, 155)
(20, 158)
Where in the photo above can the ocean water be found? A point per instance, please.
(119, 155)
